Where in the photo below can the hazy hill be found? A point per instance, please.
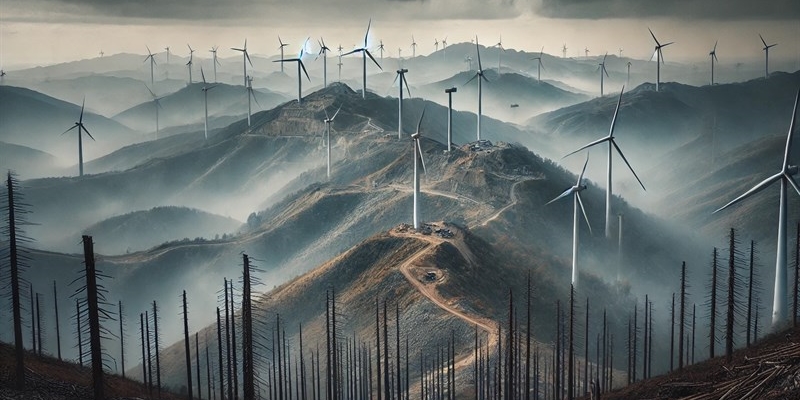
(141, 230)
(35, 120)
(186, 106)
(25, 161)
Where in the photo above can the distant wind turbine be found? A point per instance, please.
(364, 53)
(586, 52)
(167, 50)
(401, 78)
(380, 48)
(450, 116)
(246, 59)
(413, 47)
(481, 78)
(602, 68)
(500, 52)
(152, 63)
(539, 65)
(444, 48)
(328, 122)
(205, 89)
(713, 55)
(102, 53)
(785, 176)
(340, 68)
(156, 106)
(628, 80)
(766, 55)
(564, 51)
(435, 44)
(659, 57)
(81, 129)
(251, 95)
(418, 160)
(282, 45)
(620, 52)
(215, 61)
(323, 51)
(575, 191)
(468, 60)
(2, 75)
(189, 63)
(300, 65)
(612, 144)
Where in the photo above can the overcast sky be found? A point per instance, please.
(39, 32)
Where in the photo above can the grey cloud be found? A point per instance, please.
(700, 9)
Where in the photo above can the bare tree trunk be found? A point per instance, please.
(672, 334)
(220, 363)
(156, 348)
(16, 304)
(713, 312)
(93, 307)
(58, 328)
(144, 355)
(121, 333)
(233, 345)
(682, 317)
(750, 293)
(731, 295)
(187, 347)
(248, 369)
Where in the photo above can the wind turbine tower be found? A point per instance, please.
(713, 55)
(450, 116)
(401, 79)
(481, 78)
(251, 96)
(786, 179)
(156, 106)
(300, 65)
(152, 64)
(602, 68)
(539, 66)
(418, 160)
(328, 122)
(81, 130)
(612, 144)
(659, 57)
(189, 63)
(205, 89)
(323, 51)
(766, 55)
(214, 61)
(413, 47)
(364, 53)
(167, 50)
(246, 59)
(282, 45)
(575, 191)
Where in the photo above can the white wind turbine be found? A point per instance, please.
(167, 50)
(380, 48)
(713, 55)
(189, 63)
(205, 89)
(81, 130)
(152, 63)
(659, 57)
(779, 307)
(156, 106)
(564, 51)
(435, 44)
(444, 48)
(413, 47)
(214, 61)
(300, 65)
(450, 92)
(282, 45)
(575, 191)
(364, 53)
(766, 55)
(328, 122)
(612, 144)
(418, 160)
(539, 65)
(628, 80)
(401, 78)
(500, 52)
(323, 51)
(246, 59)
(602, 68)
(481, 78)
(251, 95)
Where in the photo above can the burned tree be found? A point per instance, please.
(94, 297)
(732, 286)
(712, 314)
(156, 348)
(58, 328)
(682, 316)
(186, 346)
(121, 335)
(248, 370)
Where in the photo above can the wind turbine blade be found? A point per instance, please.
(762, 40)
(247, 56)
(661, 55)
(793, 183)
(616, 112)
(151, 92)
(303, 66)
(627, 163)
(667, 44)
(421, 159)
(73, 127)
(470, 79)
(606, 71)
(336, 113)
(754, 190)
(351, 52)
(202, 75)
(480, 66)
(596, 142)
(407, 88)
(562, 195)
(419, 123)
(484, 78)
(366, 36)
(87, 132)
(654, 37)
(791, 131)
(373, 59)
(583, 171)
(715, 46)
(654, 54)
(583, 210)
(396, 77)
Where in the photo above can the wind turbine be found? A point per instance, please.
(499, 45)
(785, 177)
(539, 65)
(189, 63)
(611, 144)
(364, 53)
(401, 77)
(468, 60)
(215, 61)
(444, 48)
(628, 81)
(564, 51)
(281, 49)
(246, 59)
(436, 44)
(415, 137)
(586, 52)
(328, 122)
(602, 68)
(167, 49)
(659, 57)
(102, 53)
(766, 55)
(300, 65)
(205, 89)
(323, 51)
(450, 116)
(152, 63)
(156, 105)
(713, 55)
(413, 47)
(620, 52)
(481, 78)
(81, 129)
(575, 191)
(250, 95)
(340, 68)
(2, 75)
(380, 48)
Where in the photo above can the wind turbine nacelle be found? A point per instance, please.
(792, 169)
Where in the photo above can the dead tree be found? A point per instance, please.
(32, 309)
(15, 211)
(386, 383)
(750, 288)
(58, 328)
(248, 369)
(121, 335)
(220, 363)
(682, 316)
(377, 345)
(397, 358)
(646, 352)
(79, 331)
(144, 354)
(672, 334)
(712, 314)
(796, 275)
(527, 341)
(228, 342)
(732, 255)
(187, 347)
(156, 348)
(93, 299)
(586, 350)
(197, 365)
(233, 345)
(38, 325)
